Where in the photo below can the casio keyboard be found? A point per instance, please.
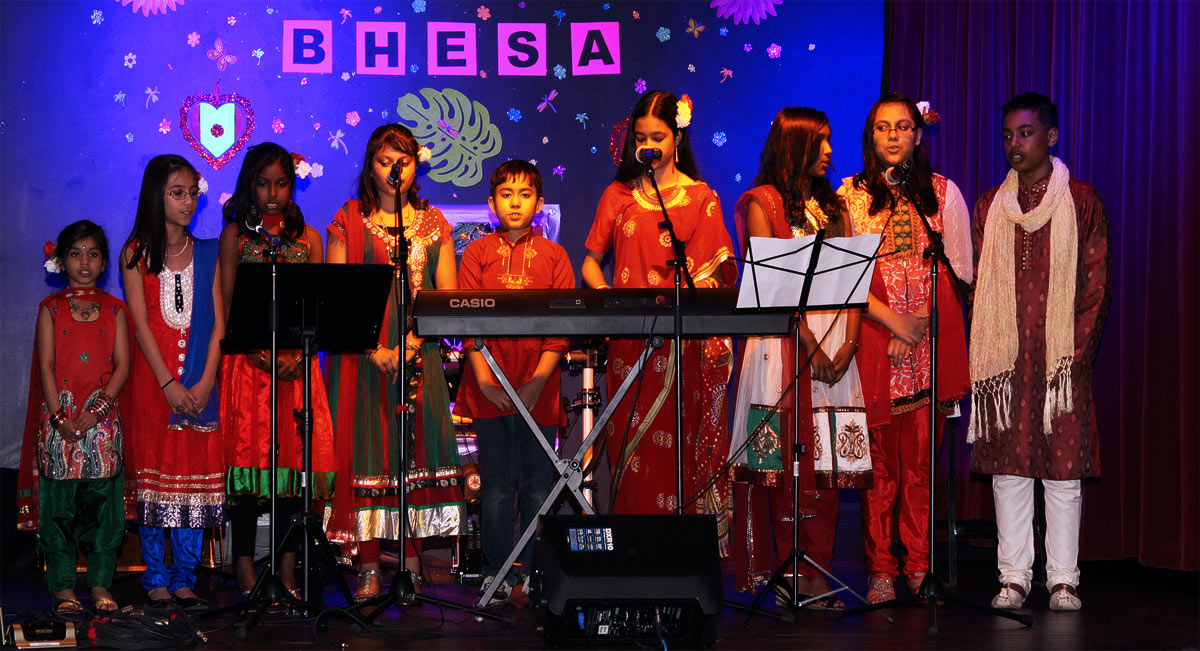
(589, 313)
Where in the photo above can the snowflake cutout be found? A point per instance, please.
(419, 6)
(232, 20)
(97, 17)
(560, 72)
(663, 34)
(514, 115)
(719, 138)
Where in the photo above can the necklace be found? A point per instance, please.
(84, 310)
(187, 241)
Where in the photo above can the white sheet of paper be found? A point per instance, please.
(830, 288)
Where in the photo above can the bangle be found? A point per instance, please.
(408, 345)
(58, 417)
(102, 406)
(166, 384)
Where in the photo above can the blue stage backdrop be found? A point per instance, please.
(92, 90)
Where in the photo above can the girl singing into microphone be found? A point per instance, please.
(641, 434)
(263, 199)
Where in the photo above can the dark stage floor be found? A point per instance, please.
(1125, 607)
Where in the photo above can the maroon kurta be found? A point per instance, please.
(1072, 449)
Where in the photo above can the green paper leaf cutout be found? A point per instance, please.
(456, 129)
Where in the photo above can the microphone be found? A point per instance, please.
(393, 178)
(646, 154)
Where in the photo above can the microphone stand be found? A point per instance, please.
(681, 273)
(403, 586)
(932, 590)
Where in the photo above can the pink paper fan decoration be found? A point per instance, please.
(148, 7)
(743, 11)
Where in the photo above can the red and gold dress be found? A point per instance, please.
(246, 414)
(900, 450)
(180, 470)
(641, 435)
(364, 404)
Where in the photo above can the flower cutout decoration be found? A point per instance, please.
(639, 86)
(483, 12)
(232, 20)
(164, 127)
(352, 118)
(514, 115)
(193, 39)
(774, 50)
(663, 34)
(560, 72)
(97, 17)
(419, 6)
(130, 60)
(277, 125)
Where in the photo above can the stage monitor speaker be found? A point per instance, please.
(627, 578)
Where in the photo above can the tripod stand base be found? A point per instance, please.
(402, 591)
(933, 594)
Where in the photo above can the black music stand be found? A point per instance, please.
(310, 309)
(781, 266)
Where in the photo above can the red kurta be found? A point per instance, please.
(180, 471)
(1072, 449)
(534, 262)
(83, 366)
(641, 435)
(246, 413)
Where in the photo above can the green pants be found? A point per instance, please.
(94, 507)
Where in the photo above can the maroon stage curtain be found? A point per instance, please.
(1125, 78)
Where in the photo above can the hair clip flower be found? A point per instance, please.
(929, 115)
(424, 154)
(683, 112)
(203, 185)
(51, 264)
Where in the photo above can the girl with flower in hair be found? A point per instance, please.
(363, 394)
(263, 196)
(641, 434)
(173, 289)
(71, 479)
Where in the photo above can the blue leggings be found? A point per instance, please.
(185, 556)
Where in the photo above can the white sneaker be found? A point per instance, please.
(1010, 598)
(1064, 597)
(503, 592)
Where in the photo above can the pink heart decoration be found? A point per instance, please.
(216, 125)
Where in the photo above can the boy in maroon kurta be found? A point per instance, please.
(511, 461)
(1044, 273)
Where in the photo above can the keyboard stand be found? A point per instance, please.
(570, 471)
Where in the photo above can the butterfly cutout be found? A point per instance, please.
(546, 99)
(694, 28)
(222, 57)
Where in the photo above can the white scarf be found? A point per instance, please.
(994, 335)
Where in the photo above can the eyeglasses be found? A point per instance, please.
(178, 194)
(904, 128)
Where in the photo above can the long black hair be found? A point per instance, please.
(793, 145)
(149, 234)
(238, 207)
(920, 175)
(663, 105)
(398, 137)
